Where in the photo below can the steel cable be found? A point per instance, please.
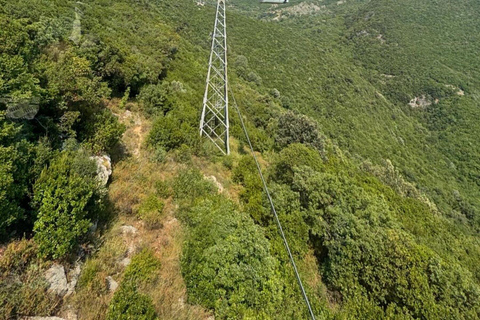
(272, 206)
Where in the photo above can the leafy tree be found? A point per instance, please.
(227, 263)
(15, 158)
(153, 98)
(293, 128)
(105, 131)
(170, 132)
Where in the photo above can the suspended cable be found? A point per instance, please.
(272, 206)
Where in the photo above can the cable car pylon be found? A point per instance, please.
(214, 122)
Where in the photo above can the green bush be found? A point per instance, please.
(105, 131)
(169, 132)
(153, 99)
(129, 304)
(294, 155)
(151, 211)
(293, 128)
(142, 268)
(227, 263)
(65, 200)
(190, 185)
(15, 173)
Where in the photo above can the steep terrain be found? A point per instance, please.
(363, 115)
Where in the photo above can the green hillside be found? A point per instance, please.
(364, 115)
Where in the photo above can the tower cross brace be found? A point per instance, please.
(214, 122)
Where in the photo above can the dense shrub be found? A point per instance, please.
(151, 211)
(153, 99)
(105, 131)
(128, 303)
(169, 132)
(65, 197)
(227, 263)
(293, 128)
(190, 185)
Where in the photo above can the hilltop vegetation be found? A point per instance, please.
(379, 199)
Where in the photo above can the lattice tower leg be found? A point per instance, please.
(214, 122)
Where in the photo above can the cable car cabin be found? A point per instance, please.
(273, 1)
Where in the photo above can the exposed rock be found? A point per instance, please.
(112, 284)
(381, 38)
(419, 102)
(128, 230)
(57, 279)
(125, 262)
(457, 90)
(104, 168)
(299, 10)
(304, 9)
(214, 180)
(73, 274)
(363, 33)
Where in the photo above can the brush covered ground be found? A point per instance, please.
(363, 115)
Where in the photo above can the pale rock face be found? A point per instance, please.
(104, 168)
(215, 182)
(57, 279)
(128, 229)
(125, 262)
(419, 102)
(112, 284)
(73, 274)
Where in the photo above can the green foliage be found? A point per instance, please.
(142, 268)
(128, 302)
(294, 155)
(15, 157)
(151, 211)
(294, 128)
(190, 185)
(125, 98)
(169, 132)
(105, 132)
(64, 196)
(401, 245)
(227, 265)
(153, 99)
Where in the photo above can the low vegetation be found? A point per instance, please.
(379, 199)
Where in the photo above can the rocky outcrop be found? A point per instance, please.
(57, 279)
(128, 230)
(111, 284)
(419, 102)
(73, 275)
(214, 180)
(104, 168)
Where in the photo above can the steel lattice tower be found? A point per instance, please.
(214, 121)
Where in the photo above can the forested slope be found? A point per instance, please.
(379, 199)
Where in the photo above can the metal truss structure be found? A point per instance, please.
(214, 121)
